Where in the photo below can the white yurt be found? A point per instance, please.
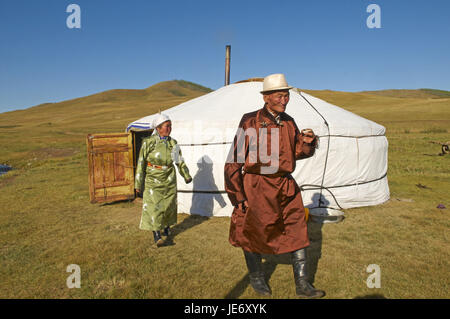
(349, 168)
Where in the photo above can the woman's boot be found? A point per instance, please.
(158, 239)
(302, 287)
(166, 232)
(256, 274)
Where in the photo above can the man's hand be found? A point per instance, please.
(138, 191)
(308, 135)
(243, 206)
(188, 180)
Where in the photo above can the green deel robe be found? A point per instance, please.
(160, 192)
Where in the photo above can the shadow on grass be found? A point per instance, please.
(314, 253)
(272, 261)
(314, 250)
(268, 268)
(437, 154)
(188, 223)
(118, 202)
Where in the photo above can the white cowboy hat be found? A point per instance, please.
(275, 82)
(159, 119)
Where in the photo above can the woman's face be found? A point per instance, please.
(164, 129)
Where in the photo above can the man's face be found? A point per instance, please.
(277, 101)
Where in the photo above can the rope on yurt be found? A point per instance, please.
(328, 149)
(321, 187)
(302, 188)
(313, 187)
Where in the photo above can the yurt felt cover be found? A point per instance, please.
(349, 169)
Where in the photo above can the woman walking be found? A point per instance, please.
(156, 179)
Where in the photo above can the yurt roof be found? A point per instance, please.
(222, 109)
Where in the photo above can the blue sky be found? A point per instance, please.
(134, 44)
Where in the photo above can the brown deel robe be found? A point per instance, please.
(274, 222)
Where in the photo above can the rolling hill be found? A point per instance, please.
(108, 110)
(419, 93)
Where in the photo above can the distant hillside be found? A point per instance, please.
(176, 88)
(108, 110)
(419, 93)
(166, 89)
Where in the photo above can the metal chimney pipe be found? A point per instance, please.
(227, 64)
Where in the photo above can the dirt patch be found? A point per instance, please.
(49, 152)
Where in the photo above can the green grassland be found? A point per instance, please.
(47, 222)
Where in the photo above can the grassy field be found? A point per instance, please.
(47, 222)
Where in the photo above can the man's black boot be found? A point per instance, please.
(302, 287)
(158, 239)
(256, 274)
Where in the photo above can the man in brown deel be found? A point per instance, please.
(269, 216)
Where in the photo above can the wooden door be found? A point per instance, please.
(111, 171)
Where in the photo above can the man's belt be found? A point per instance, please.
(158, 166)
(280, 174)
